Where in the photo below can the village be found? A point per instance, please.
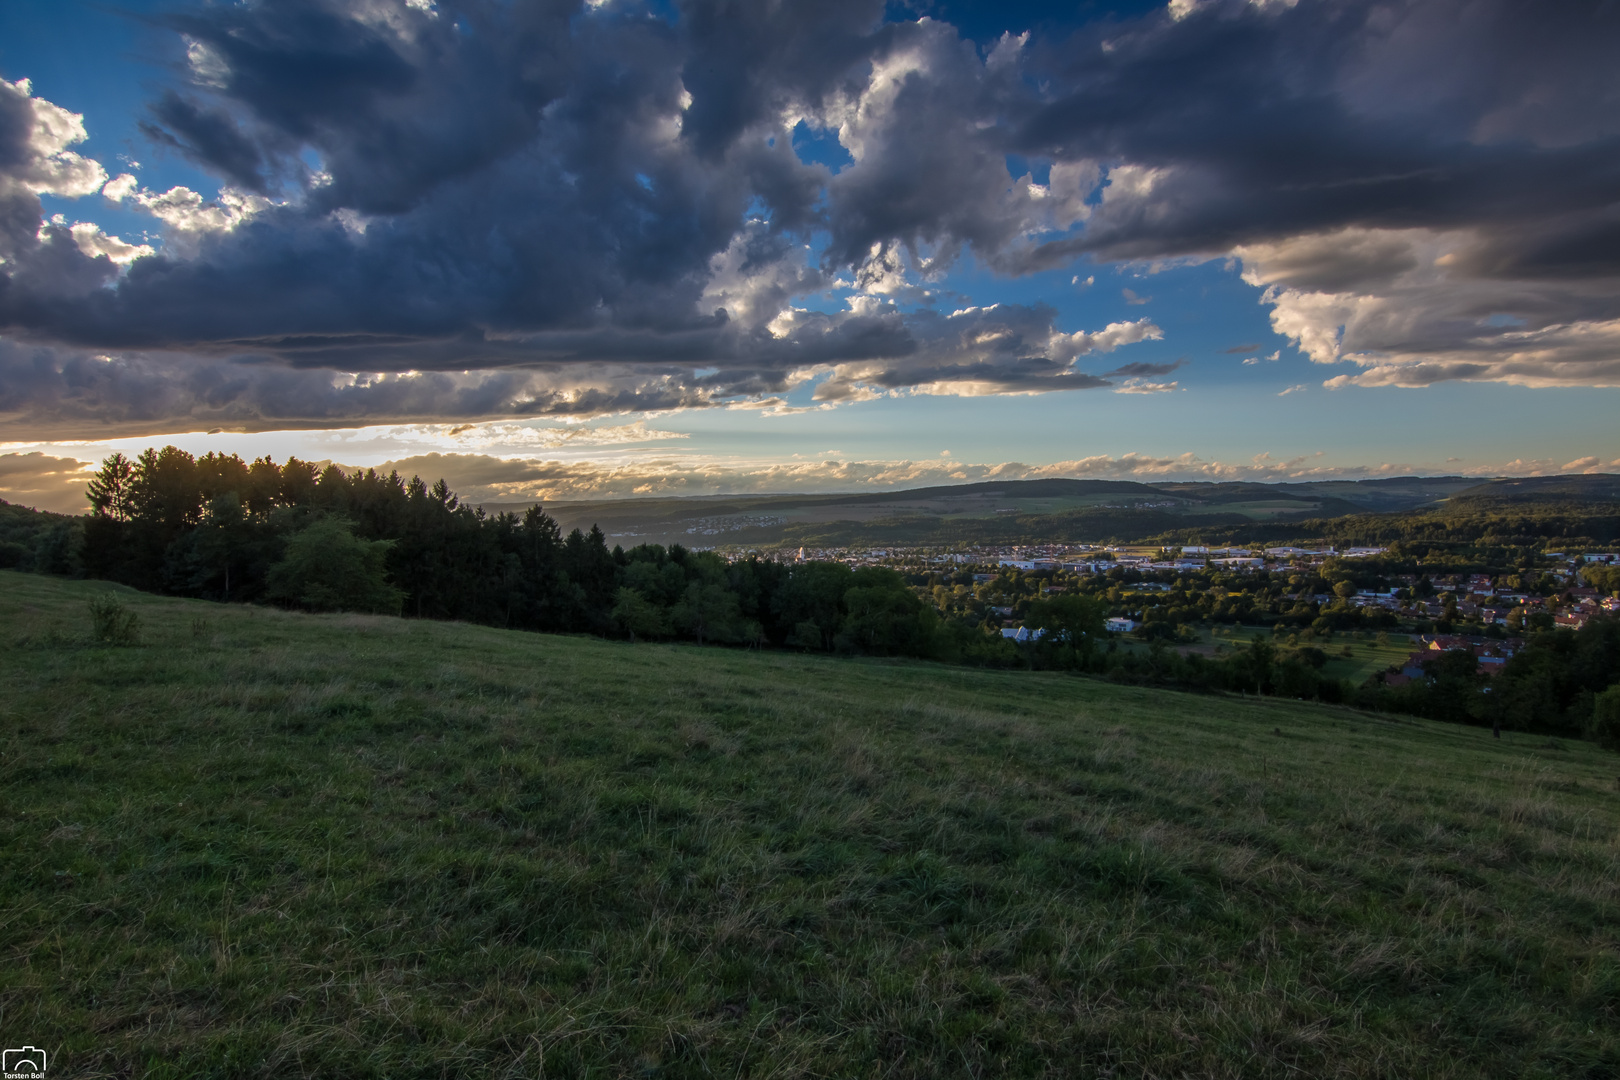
(1289, 589)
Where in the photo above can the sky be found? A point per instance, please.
(605, 248)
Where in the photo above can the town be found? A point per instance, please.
(1269, 585)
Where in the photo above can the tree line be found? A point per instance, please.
(322, 539)
(218, 527)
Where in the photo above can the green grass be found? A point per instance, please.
(1367, 656)
(266, 844)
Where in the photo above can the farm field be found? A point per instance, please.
(261, 843)
(1366, 658)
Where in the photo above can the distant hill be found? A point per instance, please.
(1055, 509)
(1588, 488)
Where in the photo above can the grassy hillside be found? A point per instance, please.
(266, 844)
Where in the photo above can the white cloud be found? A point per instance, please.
(754, 278)
(1413, 307)
(49, 167)
(51, 480)
(1132, 183)
(1299, 389)
(93, 242)
(120, 187)
(1068, 347)
(1180, 9)
(517, 436)
(775, 406)
(353, 222)
(1141, 386)
(186, 211)
(208, 67)
(485, 479)
(884, 271)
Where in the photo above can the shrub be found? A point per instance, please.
(111, 623)
(328, 568)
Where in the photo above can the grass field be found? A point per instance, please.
(1367, 656)
(264, 844)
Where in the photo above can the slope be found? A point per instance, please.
(262, 843)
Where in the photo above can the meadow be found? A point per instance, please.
(1367, 657)
(263, 843)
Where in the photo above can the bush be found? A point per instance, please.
(111, 623)
(1605, 723)
(328, 568)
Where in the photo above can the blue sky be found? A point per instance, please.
(589, 250)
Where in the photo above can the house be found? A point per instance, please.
(1022, 634)
(1120, 625)
(1413, 667)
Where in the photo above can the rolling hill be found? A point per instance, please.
(259, 843)
(1052, 510)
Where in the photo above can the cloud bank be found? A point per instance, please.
(57, 483)
(472, 209)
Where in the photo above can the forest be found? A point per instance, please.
(219, 528)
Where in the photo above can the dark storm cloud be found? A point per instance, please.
(209, 137)
(1270, 120)
(16, 130)
(749, 60)
(1142, 371)
(53, 393)
(581, 207)
(61, 392)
